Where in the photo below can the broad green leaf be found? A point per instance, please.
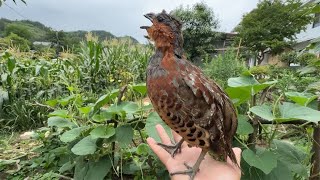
(239, 95)
(11, 64)
(81, 168)
(264, 160)
(143, 149)
(103, 100)
(98, 170)
(124, 108)
(60, 113)
(281, 172)
(124, 135)
(130, 107)
(242, 88)
(52, 103)
(141, 88)
(263, 111)
(72, 134)
(66, 167)
(292, 157)
(290, 111)
(60, 122)
(65, 101)
(244, 127)
(302, 99)
(242, 81)
(85, 146)
(152, 120)
(102, 116)
(102, 132)
(85, 110)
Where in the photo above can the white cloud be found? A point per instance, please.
(119, 17)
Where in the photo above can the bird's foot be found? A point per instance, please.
(172, 149)
(191, 171)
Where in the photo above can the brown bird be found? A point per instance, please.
(186, 100)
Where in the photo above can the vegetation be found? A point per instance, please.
(199, 25)
(88, 116)
(60, 40)
(265, 26)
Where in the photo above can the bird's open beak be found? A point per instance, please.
(149, 16)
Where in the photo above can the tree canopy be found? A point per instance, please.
(199, 24)
(274, 24)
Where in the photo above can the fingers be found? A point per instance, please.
(165, 139)
(237, 151)
(159, 151)
(176, 136)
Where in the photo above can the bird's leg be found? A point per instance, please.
(172, 149)
(192, 171)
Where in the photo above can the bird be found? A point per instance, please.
(190, 103)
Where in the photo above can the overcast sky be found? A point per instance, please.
(120, 17)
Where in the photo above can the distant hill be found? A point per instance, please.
(36, 31)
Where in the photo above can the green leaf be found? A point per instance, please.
(102, 117)
(264, 111)
(264, 160)
(85, 110)
(242, 81)
(98, 170)
(239, 95)
(291, 157)
(143, 149)
(72, 134)
(85, 146)
(290, 111)
(244, 127)
(102, 132)
(281, 172)
(52, 103)
(140, 88)
(11, 64)
(152, 120)
(60, 113)
(302, 99)
(130, 107)
(124, 135)
(81, 168)
(67, 167)
(103, 100)
(60, 122)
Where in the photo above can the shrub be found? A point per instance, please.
(289, 57)
(306, 58)
(223, 67)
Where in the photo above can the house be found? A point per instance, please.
(311, 36)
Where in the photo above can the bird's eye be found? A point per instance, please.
(160, 19)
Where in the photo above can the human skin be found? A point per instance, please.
(210, 168)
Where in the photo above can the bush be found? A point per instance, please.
(306, 58)
(289, 57)
(223, 67)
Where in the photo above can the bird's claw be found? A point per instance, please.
(190, 171)
(171, 149)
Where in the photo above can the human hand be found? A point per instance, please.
(209, 168)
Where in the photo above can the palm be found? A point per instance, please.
(209, 168)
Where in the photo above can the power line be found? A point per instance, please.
(18, 13)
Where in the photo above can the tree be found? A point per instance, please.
(199, 23)
(274, 24)
(19, 30)
(16, 41)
